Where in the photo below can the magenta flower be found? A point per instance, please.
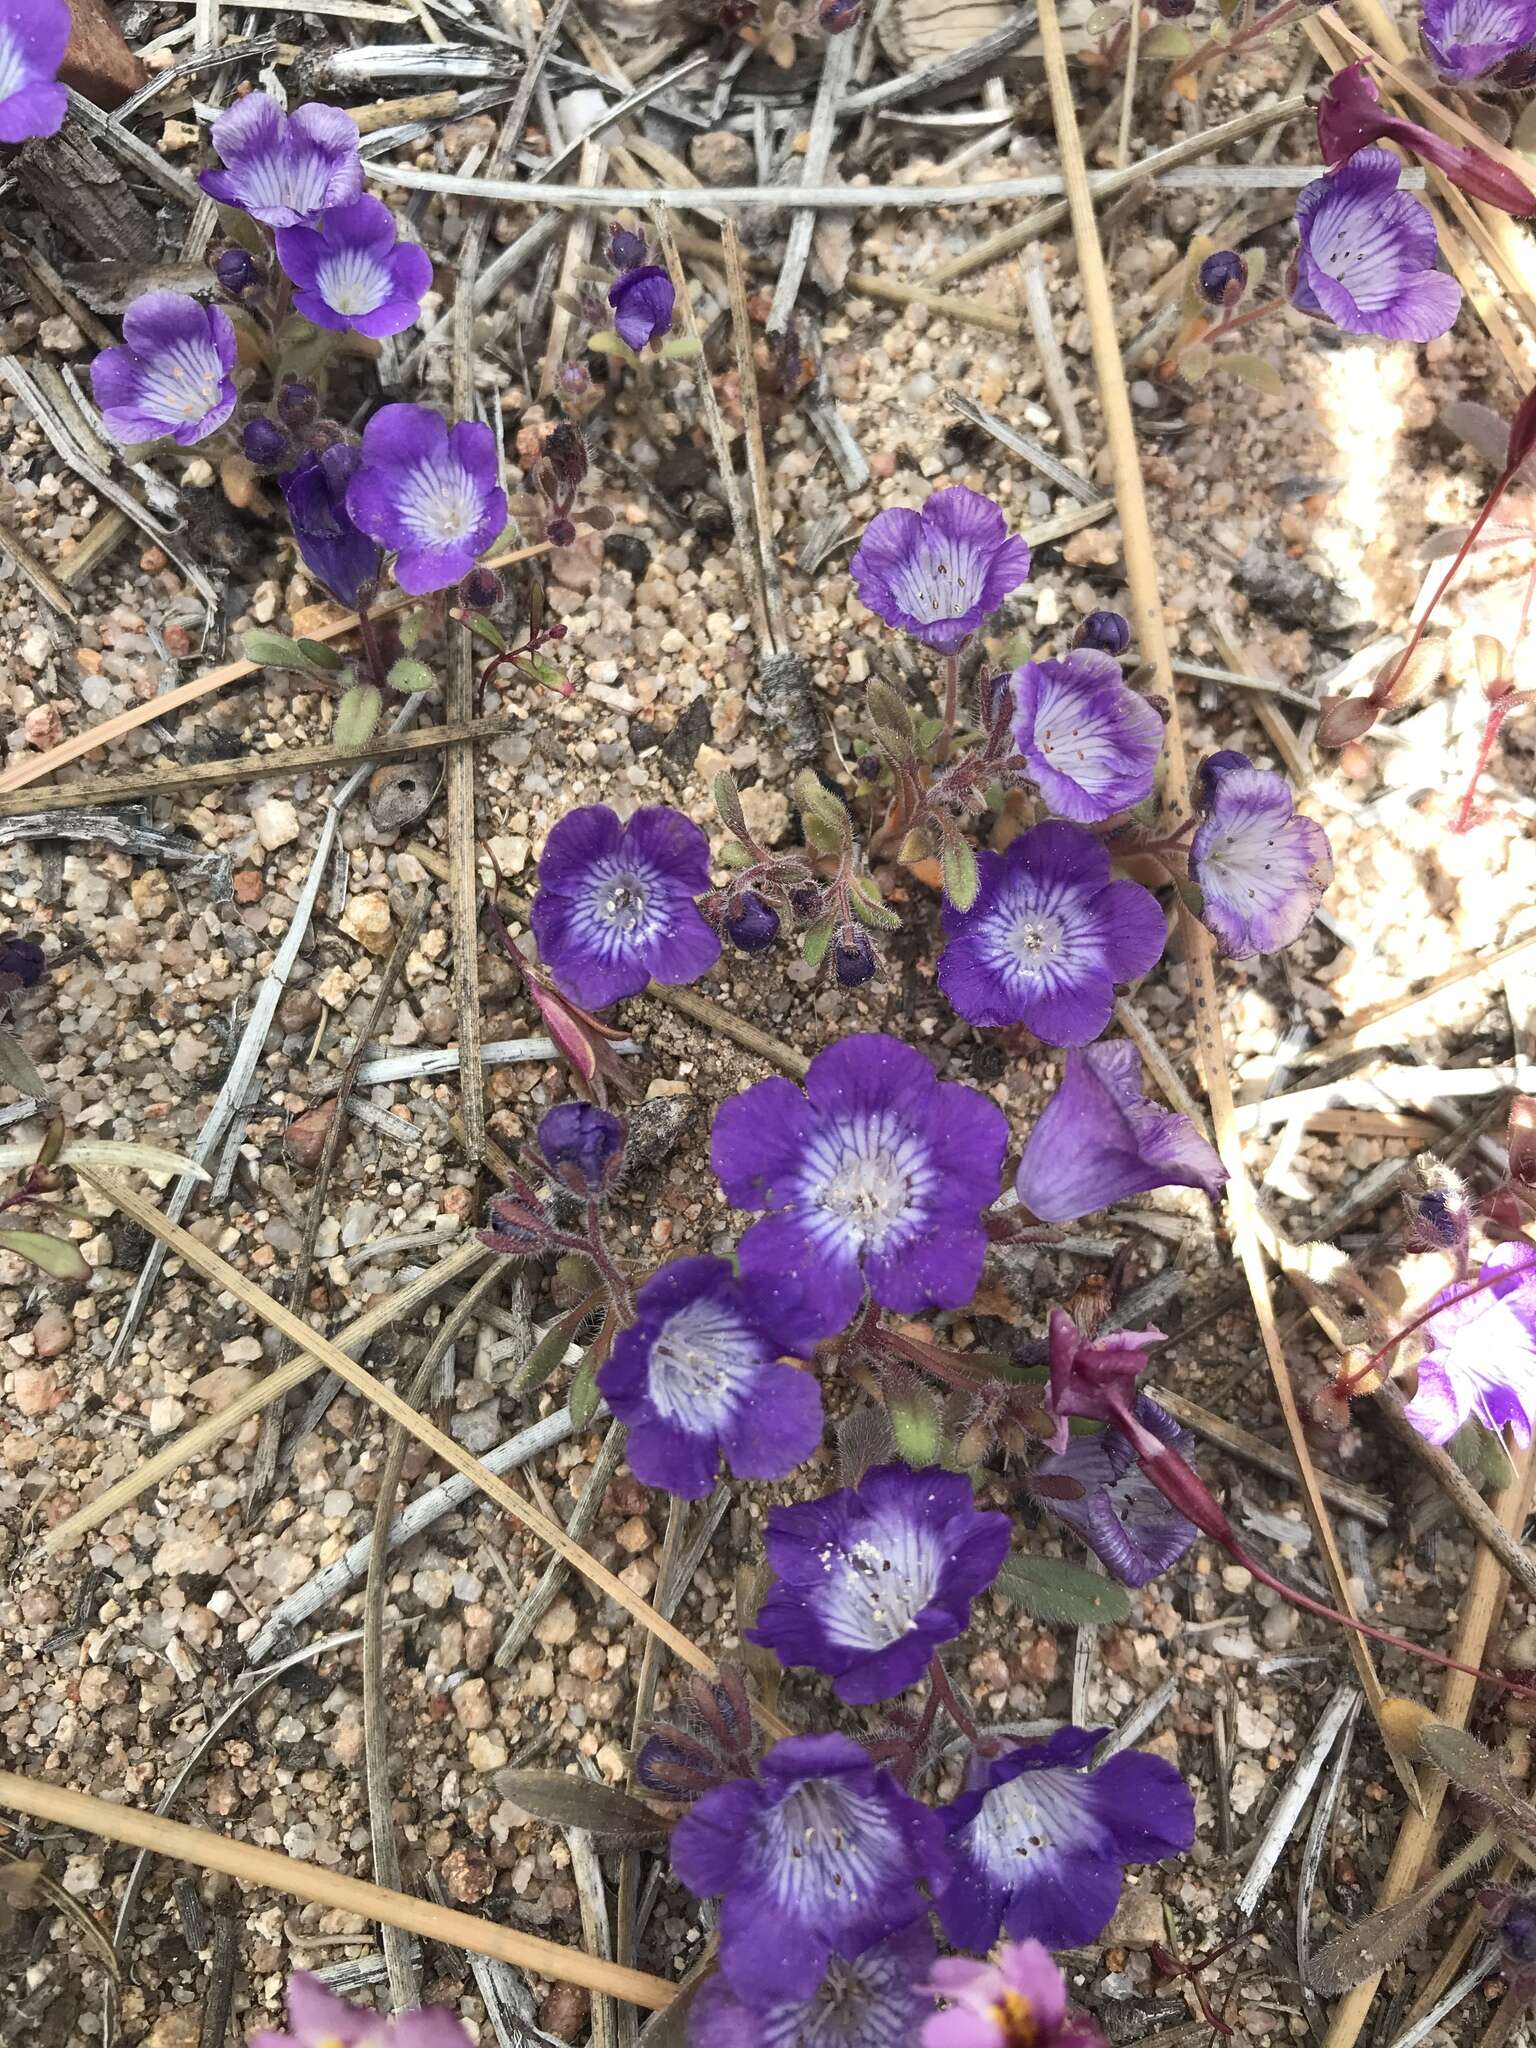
(174, 373)
(1040, 1839)
(1098, 1140)
(346, 561)
(34, 35)
(1367, 255)
(1048, 937)
(642, 302)
(280, 168)
(698, 1376)
(1261, 866)
(1130, 1528)
(1020, 2001)
(1090, 741)
(820, 1855)
(876, 1175)
(1469, 38)
(1350, 117)
(874, 2001)
(1092, 1376)
(316, 2019)
(871, 1579)
(938, 573)
(430, 492)
(352, 271)
(616, 903)
(1480, 1353)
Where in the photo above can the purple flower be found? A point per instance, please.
(1260, 865)
(1350, 116)
(34, 35)
(616, 903)
(1469, 38)
(173, 374)
(1092, 1376)
(284, 169)
(428, 491)
(1048, 937)
(1090, 740)
(1040, 1839)
(876, 1175)
(626, 248)
(938, 573)
(352, 271)
(1108, 632)
(582, 1146)
(1099, 1140)
(1020, 2001)
(874, 2001)
(1367, 255)
(315, 491)
(22, 961)
(698, 1374)
(873, 1578)
(820, 1855)
(316, 2019)
(1133, 1532)
(1480, 1355)
(642, 303)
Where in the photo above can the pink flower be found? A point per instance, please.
(1095, 1377)
(1350, 117)
(1020, 2001)
(317, 2020)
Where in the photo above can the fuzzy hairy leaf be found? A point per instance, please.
(1195, 361)
(1052, 1590)
(869, 908)
(1258, 371)
(356, 715)
(1477, 1772)
(961, 877)
(276, 650)
(569, 1802)
(55, 1256)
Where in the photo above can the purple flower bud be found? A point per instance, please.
(1441, 1219)
(751, 924)
(566, 453)
(1173, 10)
(582, 1146)
(1105, 632)
(560, 533)
(853, 958)
(1223, 278)
(237, 271)
(1519, 1930)
(805, 902)
(266, 445)
(297, 404)
(481, 591)
(869, 768)
(575, 380)
(626, 249)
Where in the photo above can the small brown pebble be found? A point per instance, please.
(36, 1390)
(469, 1875)
(635, 1535)
(564, 2012)
(250, 885)
(299, 1010)
(1041, 1660)
(52, 1333)
(43, 727)
(305, 1136)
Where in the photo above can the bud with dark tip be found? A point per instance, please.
(805, 902)
(853, 957)
(869, 767)
(481, 591)
(575, 380)
(297, 403)
(21, 960)
(1107, 632)
(626, 249)
(566, 453)
(266, 446)
(237, 271)
(1223, 278)
(560, 533)
(751, 925)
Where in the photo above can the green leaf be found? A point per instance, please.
(734, 855)
(548, 1352)
(1258, 263)
(916, 1425)
(927, 730)
(410, 628)
(17, 1071)
(566, 1801)
(1015, 651)
(487, 630)
(55, 1256)
(1052, 1590)
(728, 804)
(320, 656)
(276, 650)
(868, 906)
(820, 808)
(1167, 40)
(356, 715)
(410, 676)
(1480, 1454)
(915, 847)
(1258, 371)
(1195, 361)
(681, 348)
(1195, 307)
(607, 343)
(961, 879)
(583, 1397)
(816, 941)
(890, 716)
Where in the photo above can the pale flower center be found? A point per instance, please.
(440, 503)
(182, 382)
(351, 282)
(13, 69)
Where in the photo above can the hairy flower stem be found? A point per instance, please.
(597, 1251)
(373, 653)
(944, 1365)
(1187, 1492)
(1349, 1382)
(944, 1695)
(951, 693)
